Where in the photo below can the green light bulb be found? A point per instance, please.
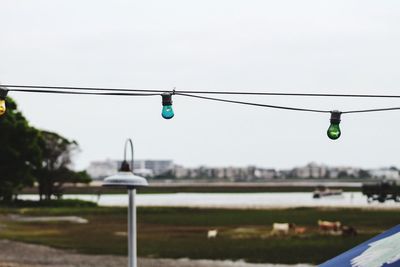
(334, 129)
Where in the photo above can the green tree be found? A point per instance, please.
(55, 170)
(364, 174)
(20, 153)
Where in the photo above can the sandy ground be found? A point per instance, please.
(15, 254)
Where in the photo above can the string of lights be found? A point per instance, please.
(333, 132)
(10, 86)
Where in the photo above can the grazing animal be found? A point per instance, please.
(282, 228)
(327, 226)
(299, 230)
(348, 230)
(212, 233)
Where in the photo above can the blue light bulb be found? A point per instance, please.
(167, 112)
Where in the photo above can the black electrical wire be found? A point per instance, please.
(134, 92)
(289, 108)
(370, 110)
(79, 93)
(200, 92)
(289, 94)
(174, 92)
(254, 104)
(82, 88)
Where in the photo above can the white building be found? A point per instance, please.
(265, 173)
(311, 170)
(343, 172)
(148, 168)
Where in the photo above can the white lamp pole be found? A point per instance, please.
(126, 179)
(132, 244)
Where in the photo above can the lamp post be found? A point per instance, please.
(126, 179)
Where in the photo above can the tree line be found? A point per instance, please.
(30, 156)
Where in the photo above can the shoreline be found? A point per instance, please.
(242, 201)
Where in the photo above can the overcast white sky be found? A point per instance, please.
(316, 46)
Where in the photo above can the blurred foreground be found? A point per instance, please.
(213, 234)
(15, 254)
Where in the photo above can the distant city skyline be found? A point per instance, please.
(245, 165)
(167, 169)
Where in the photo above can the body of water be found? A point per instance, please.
(232, 200)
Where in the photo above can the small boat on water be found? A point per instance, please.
(322, 191)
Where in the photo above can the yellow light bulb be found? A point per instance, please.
(2, 106)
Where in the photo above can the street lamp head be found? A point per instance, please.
(125, 178)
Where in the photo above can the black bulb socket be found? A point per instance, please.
(335, 117)
(166, 99)
(125, 167)
(3, 94)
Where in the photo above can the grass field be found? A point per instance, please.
(181, 232)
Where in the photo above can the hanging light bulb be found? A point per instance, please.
(334, 129)
(3, 95)
(167, 111)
